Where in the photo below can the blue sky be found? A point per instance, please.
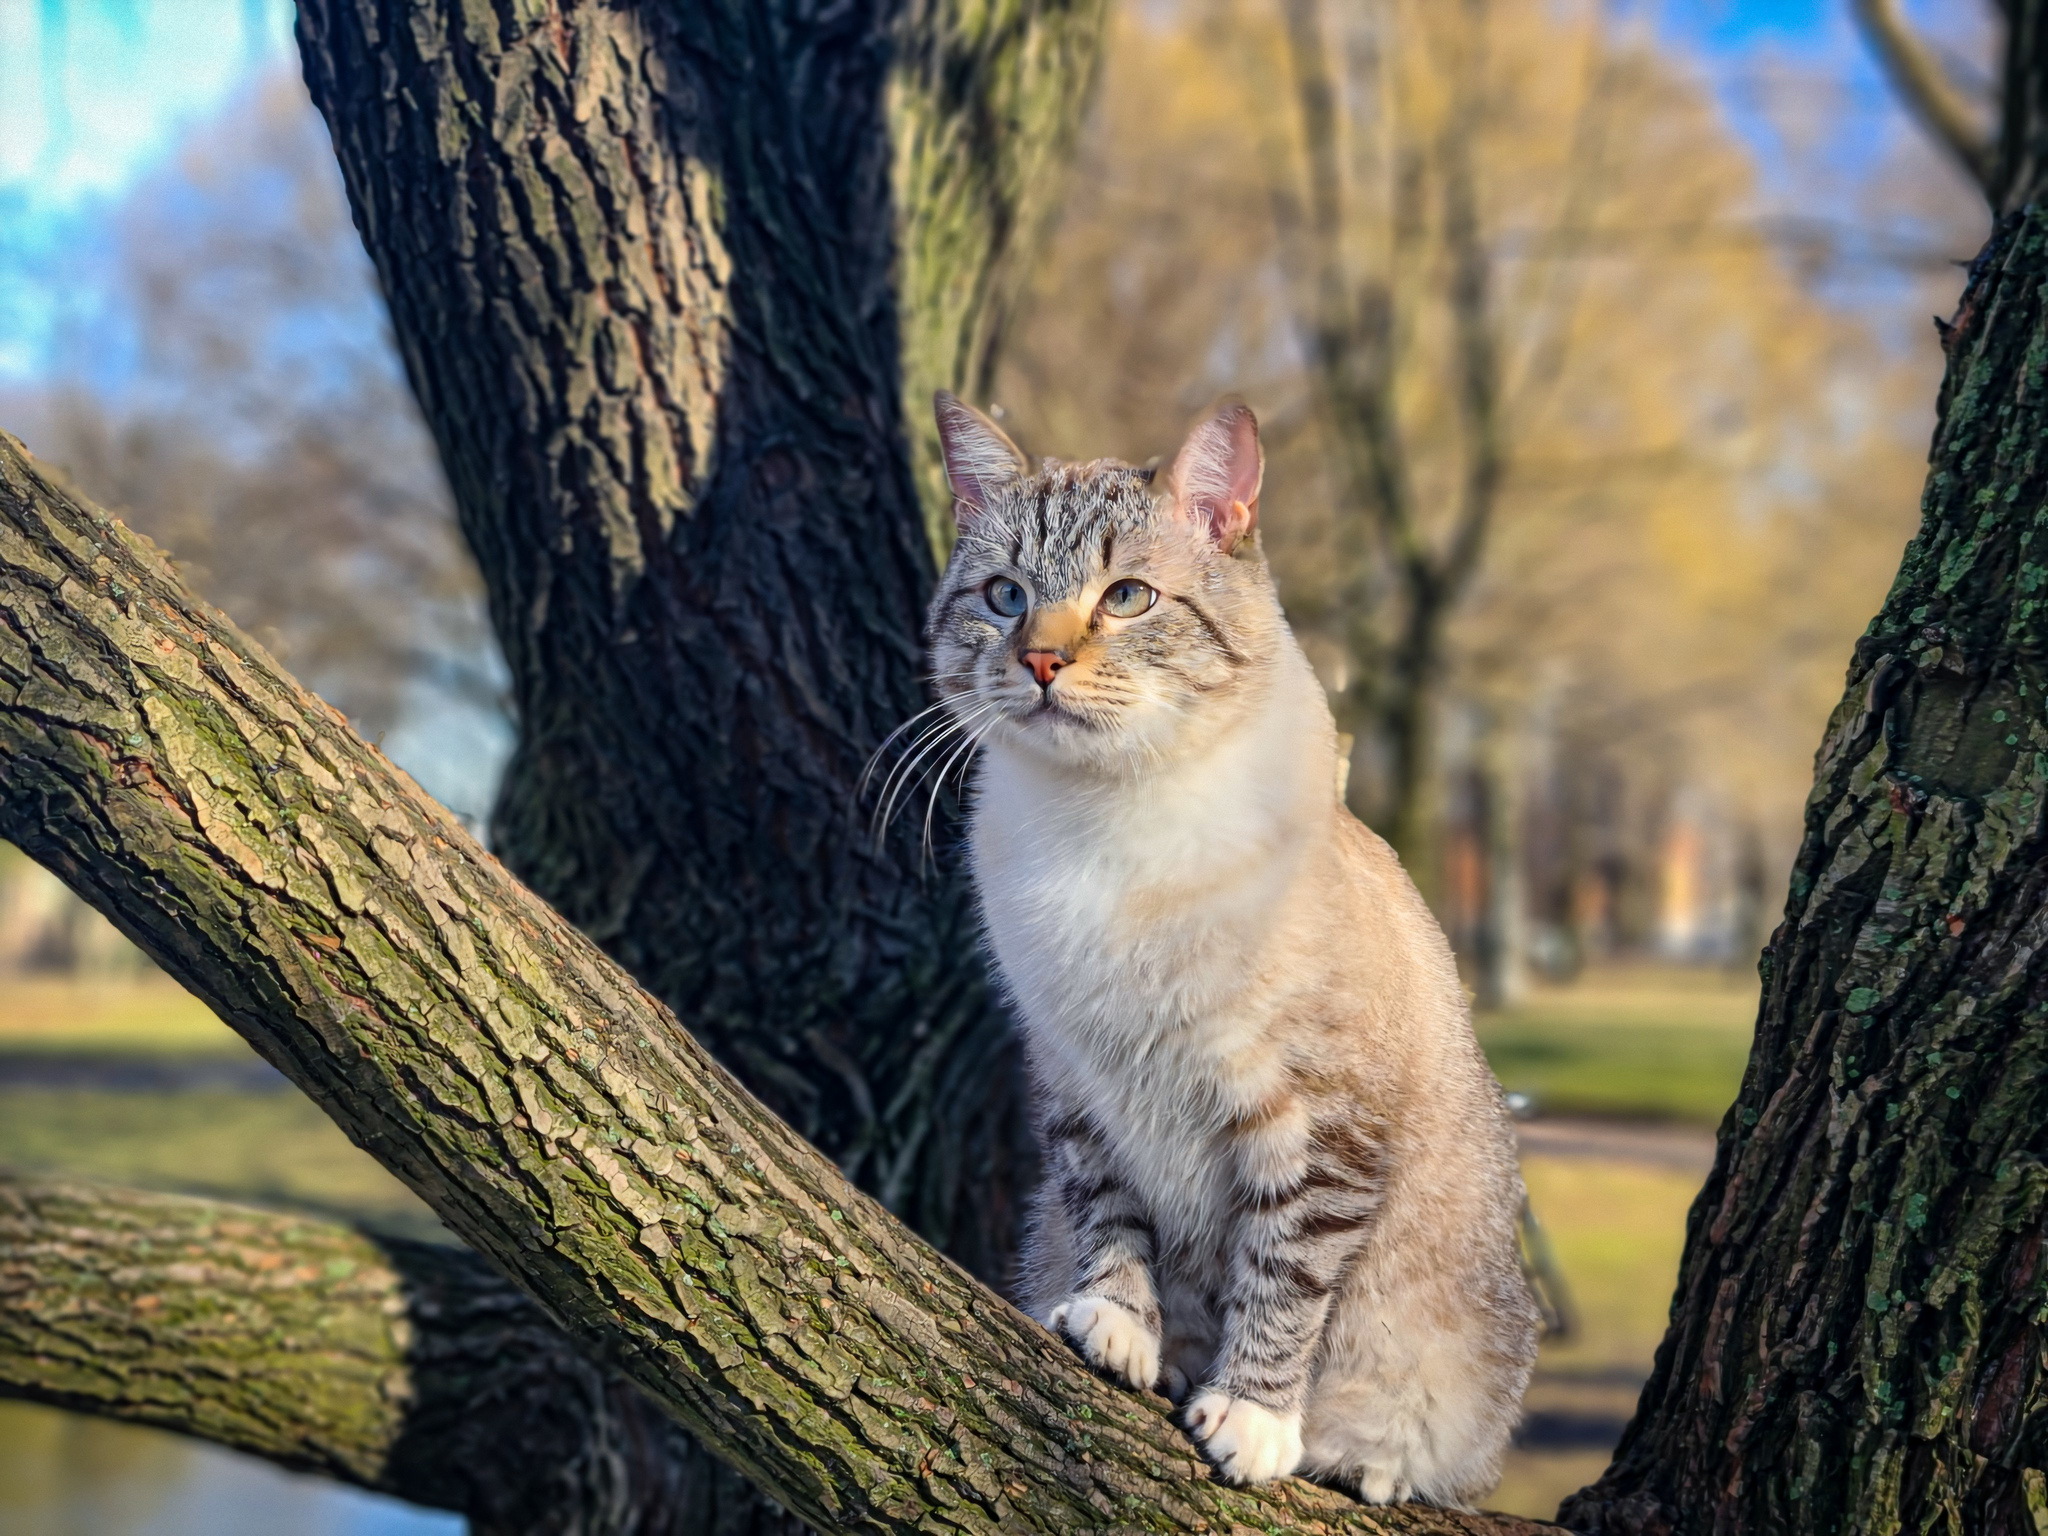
(93, 93)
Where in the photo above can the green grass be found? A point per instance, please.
(1640, 1043)
(270, 1148)
(1644, 1044)
(1616, 1230)
(150, 1015)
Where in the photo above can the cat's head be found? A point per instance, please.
(1091, 616)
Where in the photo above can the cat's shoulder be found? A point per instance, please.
(1364, 853)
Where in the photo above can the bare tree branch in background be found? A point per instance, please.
(233, 395)
(1427, 556)
(1962, 127)
(1685, 440)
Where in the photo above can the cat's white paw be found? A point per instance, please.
(1110, 1337)
(1248, 1443)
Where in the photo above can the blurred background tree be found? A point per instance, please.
(234, 395)
(1575, 493)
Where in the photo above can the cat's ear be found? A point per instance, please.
(980, 458)
(1216, 474)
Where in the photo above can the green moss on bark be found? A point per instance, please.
(409, 1368)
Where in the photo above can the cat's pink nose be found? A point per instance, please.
(1043, 664)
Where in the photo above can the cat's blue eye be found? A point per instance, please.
(1128, 598)
(1006, 597)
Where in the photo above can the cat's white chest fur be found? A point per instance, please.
(1131, 921)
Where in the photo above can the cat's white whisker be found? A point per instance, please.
(937, 786)
(936, 778)
(901, 776)
(906, 774)
(947, 722)
(875, 757)
(964, 756)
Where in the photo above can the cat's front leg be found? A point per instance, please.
(1306, 1188)
(1112, 1315)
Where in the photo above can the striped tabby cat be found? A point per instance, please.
(1280, 1181)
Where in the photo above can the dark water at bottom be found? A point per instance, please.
(62, 1475)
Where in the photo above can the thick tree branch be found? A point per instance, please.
(408, 1368)
(985, 102)
(552, 1113)
(1924, 86)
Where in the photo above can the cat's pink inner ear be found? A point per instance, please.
(1216, 475)
(980, 458)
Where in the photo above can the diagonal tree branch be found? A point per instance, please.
(552, 1113)
(408, 1368)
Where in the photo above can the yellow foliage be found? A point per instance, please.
(1709, 471)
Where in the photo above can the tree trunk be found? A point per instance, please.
(408, 1368)
(2021, 172)
(1857, 1338)
(663, 277)
(1499, 964)
(553, 1114)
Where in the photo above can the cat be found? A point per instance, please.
(1280, 1181)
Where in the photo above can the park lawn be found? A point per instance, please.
(1642, 1044)
(1637, 1043)
(274, 1149)
(142, 1015)
(1655, 1043)
(1616, 1229)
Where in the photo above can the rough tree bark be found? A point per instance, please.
(662, 276)
(553, 1114)
(1857, 1338)
(407, 1368)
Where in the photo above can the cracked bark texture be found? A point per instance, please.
(407, 1368)
(551, 1111)
(1858, 1333)
(663, 277)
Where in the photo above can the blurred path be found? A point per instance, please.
(1686, 1147)
(106, 1073)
